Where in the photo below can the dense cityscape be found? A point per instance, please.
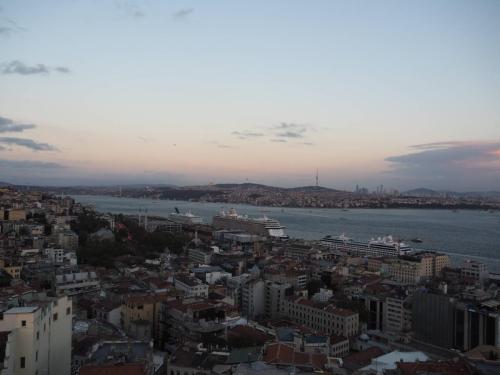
(86, 292)
(249, 187)
(304, 197)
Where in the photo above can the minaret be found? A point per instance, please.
(146, 220)
(317, 178)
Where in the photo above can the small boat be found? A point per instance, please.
(416, 240)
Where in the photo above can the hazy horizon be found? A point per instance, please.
(404, 94)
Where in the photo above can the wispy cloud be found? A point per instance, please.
(221, 145)
(62, 69)
(129, 8)
(453, 163)
(18, 67)
(9, 27)
(29, 164)
(447, 153)
(28, 143)
(182, 14)
(247, 134)
(10, 126)
(278, 140)
(290, 130)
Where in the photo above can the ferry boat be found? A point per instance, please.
(382, 246)
(262, 226)
(185, 218)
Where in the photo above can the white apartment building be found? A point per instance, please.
(39, 338)
(191, 286)
(474, 269)
(200, 256)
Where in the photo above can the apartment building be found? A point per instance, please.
(408, 272)
(140, 316)
(66, 239)
(16, 214)
(324, 318)
(253, 298)
(297, 251)
(39, 341)
(276, 293)
(474, 269)
(297, 278)
(191, 286)
(397, 317)
(77, 283)
(200, 256)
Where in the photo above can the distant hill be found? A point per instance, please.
(249, 186)
(315, 189)
(246, 185)
(5, 184)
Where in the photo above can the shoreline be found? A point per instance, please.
(489, 209)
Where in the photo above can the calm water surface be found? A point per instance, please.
(464, 234)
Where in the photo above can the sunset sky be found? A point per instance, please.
(400, 93)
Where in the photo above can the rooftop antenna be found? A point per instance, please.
(317, 178)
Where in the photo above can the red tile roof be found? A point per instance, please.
(280, 354)
(363, 358)
(442, 368)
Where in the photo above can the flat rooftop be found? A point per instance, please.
(22, 310)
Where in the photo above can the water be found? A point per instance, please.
(466, 234)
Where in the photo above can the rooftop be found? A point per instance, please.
(115, 369)
(22, 310)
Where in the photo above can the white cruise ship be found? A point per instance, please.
(185, 218)
(262, 226)
(382, 246)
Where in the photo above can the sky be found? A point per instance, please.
(400, 93)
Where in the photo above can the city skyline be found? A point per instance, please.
(118, 92)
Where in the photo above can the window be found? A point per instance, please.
(68, 310)
(23, 323)
(55, 317)
(36, 356)
(37, 335)
(23, 362)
